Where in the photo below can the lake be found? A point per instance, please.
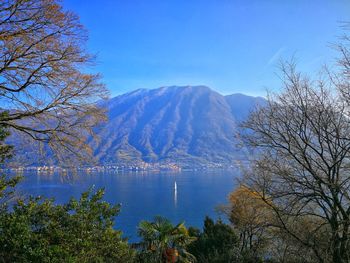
(143, 195)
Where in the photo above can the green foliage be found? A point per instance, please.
(5, 150)
(217, 243)
(37, 230)
(7, 190)
(7, 183)
(79, 231)
(161, 239)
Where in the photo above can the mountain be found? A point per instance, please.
(186, 125)
(190, 126)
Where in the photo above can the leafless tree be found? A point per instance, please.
(43, 86)
(303, 172)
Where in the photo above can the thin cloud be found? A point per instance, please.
(276, 56)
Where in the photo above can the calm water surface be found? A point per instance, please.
(143, 194)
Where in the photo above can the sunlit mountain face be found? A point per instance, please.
(188, 126)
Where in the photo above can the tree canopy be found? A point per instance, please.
(164, 242)
(302, 171)
(79, 231)
(43, 86)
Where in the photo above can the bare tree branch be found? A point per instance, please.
(42, 84)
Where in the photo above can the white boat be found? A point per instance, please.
(175, 186)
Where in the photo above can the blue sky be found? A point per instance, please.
(229, 45)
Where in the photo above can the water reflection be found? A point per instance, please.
(175, 194)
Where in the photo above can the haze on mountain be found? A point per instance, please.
(189, 126)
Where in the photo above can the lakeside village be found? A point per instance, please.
(135, 167)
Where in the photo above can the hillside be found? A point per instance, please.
(188, 126)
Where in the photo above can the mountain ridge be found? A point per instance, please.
(181, 124)
(186, 125)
